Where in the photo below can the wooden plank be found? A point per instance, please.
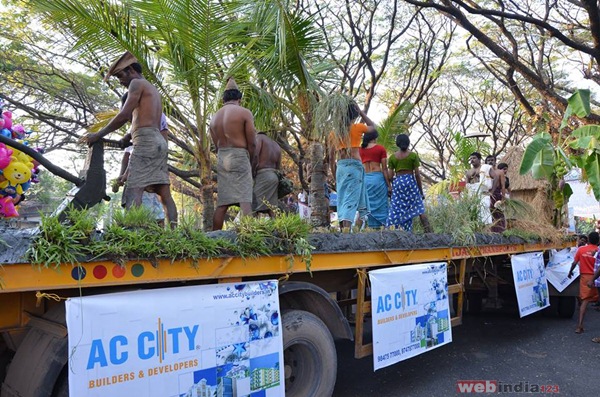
(360, 313)
(455, 289)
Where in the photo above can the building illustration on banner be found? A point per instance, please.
(239, 370)
(429, 329)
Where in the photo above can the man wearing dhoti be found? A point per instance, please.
(148, 169)
(232, 131)
(479, 182)
(266, 179)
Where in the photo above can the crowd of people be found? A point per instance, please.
(373, 188)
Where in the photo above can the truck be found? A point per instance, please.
(327, 302)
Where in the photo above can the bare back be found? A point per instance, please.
(146, 103)
(269, 152)
(231, 126)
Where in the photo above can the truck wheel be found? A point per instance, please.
(5, 358)
(38, 362)
(61, 387)
(310, 358)
(566, 306)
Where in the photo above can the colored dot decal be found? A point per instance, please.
(100, 272)
(137, 270)
(118, 271)
(78, 273)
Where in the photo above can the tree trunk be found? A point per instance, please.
(208, 202)
(319, 204)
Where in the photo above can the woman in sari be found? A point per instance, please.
(377, 183)
(407, 190)
(349, 172)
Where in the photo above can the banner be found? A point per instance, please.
(558, 268)
(410, 311)
(212, 340)
(530, 282)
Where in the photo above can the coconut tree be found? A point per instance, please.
(188, 48)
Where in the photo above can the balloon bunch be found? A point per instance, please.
(17, 170)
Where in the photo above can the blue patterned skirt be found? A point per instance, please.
(406, 202)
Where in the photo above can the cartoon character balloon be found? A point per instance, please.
(16, 174)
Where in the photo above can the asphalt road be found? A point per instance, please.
(540, 349)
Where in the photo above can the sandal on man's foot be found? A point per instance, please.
(579, 330)
(596, 339)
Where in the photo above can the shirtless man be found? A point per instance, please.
(232, 131)
(479, 170)
(266, 181)
(148, 162)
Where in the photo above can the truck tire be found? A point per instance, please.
(38, 362)
(5, 358)
(566, 306)
(310, 358)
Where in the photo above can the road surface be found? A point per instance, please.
(540, 349)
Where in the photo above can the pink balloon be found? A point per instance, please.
(1, 123)
(7, 120)
(5, 154)
(7, 207)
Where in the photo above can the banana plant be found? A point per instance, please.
(548, 159)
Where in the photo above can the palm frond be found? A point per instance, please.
(396, 123)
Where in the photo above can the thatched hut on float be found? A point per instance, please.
(536, 192)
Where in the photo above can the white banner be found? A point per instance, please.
(213, 340)
(558, 268)
(410, 311)
(530, 282)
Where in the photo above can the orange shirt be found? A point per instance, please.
(356, 133)
(585, 257)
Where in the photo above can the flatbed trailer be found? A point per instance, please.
(329, 302)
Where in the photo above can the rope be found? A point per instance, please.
(41, 295)
(284, 278)
(362, 277)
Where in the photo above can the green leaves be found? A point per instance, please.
(539, 157)
(396, 123)
(592, 169)
(578, 104)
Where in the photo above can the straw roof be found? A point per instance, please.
(513, 158)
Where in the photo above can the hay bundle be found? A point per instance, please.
(518, 182)
(535, 192)
(534, 228)
(542, 204)
(332, 119)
